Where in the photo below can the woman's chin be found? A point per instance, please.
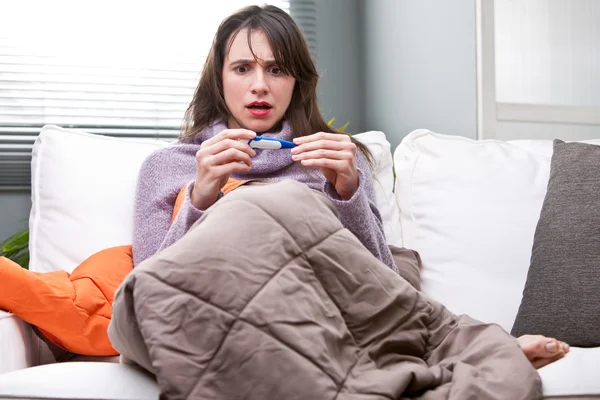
(258, 125)
(261, 126)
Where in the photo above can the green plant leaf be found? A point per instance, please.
(23, 259)
(16, 242)
(9, 254)
(16, 248)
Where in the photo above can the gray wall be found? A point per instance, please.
(339, 62)
(420, 69)
(14, 212)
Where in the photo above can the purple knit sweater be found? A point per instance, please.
(167, 170)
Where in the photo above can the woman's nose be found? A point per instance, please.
(259, 86)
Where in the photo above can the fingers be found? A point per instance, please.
(324, 144)
(227, 169)
(336, 137)
(324, 141)
(324, 154)
(223, 152)
(223, 157)
(336, 165)
(325, 150)
(226, 144)
(234, 134)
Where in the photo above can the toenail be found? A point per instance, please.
(551, 347)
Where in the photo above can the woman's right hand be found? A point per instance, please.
(218, 158)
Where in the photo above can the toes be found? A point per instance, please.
(537, 347)
(552, 346)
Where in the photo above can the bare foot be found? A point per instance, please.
(541, 350)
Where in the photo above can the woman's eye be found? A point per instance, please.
(241, 69)
(276, 71)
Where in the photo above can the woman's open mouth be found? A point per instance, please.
(259, 109)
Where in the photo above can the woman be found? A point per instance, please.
(259, 79)
(247, 90)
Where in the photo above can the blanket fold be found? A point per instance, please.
(268, 297)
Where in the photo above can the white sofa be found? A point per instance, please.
(454, 202)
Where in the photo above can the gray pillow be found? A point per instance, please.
(561, 298)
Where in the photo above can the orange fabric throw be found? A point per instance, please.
(71, 310)
(232, 184)
(229, 186)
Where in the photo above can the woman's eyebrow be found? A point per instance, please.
(252, 61)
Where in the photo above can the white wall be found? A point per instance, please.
(14, 212)
(420, 66)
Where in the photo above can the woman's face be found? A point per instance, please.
(257, 92)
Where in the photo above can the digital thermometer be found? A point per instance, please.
(260, 142)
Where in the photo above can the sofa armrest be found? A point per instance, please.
(19, 346)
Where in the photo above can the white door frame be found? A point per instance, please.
(486, 70)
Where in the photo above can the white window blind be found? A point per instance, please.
(126, 68)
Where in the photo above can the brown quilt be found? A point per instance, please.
(269, 297)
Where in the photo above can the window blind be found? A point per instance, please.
(304, 13)
(124, 69)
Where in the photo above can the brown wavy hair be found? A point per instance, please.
(291, 55)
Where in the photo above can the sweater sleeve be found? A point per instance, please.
(360, 215)
(160, 180)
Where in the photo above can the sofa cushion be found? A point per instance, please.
(573, 377)
(470, 208)
(83, 188)
(79, 380)
(561, 297)
(383, 183)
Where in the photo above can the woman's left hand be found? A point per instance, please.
(335, 154)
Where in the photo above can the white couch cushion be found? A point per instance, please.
(574, 375)
(79, 380)
(471, 208)
(83, 189)
(383, 183)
